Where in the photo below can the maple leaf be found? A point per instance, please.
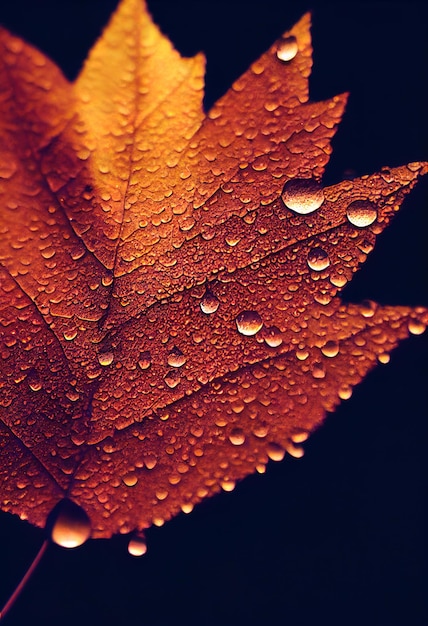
(238, 246)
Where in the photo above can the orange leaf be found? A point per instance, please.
(122, 240)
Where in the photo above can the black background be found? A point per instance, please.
(338, 537)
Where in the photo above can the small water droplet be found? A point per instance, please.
(416, 327)
(187, 507)
(176, 358)
(71, 334)
(209, 303)
(237, 437)
(330, 349)
(70, 524)
(318, 259)
(368, 308)
(249, 323)
(318, 370)
(303, 195)
(300, 436)
(273, 337)
(105, 358)
(145, 360)
(137, 545)
(287, 48)
(361, 213)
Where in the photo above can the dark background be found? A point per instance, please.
(338, 537)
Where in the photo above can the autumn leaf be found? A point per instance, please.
(226, 346)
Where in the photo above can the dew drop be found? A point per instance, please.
(137, 545)
(273, 337)
(187, 507)
(209, 303)
(287, 49)
(318, 259)
(228, 485)
(416, 327)
(303, 195)
(176, 358)
(130, 479)
(361, 213)
(330, 349)
(145, 360)
(237, 437)
(70, 524)
(275, 452)
(69, 335)
(300, 436)
(249, 323)
(172, 379)
(105, 358)
(368, 308)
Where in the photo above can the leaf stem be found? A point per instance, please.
(24, 579)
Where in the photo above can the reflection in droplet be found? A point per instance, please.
(330, 349)
(70, 524)
(361, 213)
(303, 195)
(209, 303)
(249, 323)
(176, 358)
(318, 259)
(137, 545)
(287, 48)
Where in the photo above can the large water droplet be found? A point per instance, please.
(145, 360)
(330, 349)
(137, 545)
(209, 303)
(275, 451)
(273, 337)
(249, 323)
(172, 379)
(237, 437)
(416, 327)
(303, 195)
(287, 48)
(176, 358)
(105, 358)
(70, 524)
(318, 259)
(361, 213)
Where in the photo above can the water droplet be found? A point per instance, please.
(237, 437)
(70, 524)
(137, 545)
(303, 195)
(172, 379)
(187, 507)
(176, 358)
(416, 327)
(71, 334)
(130, 479)
(273, 337)
(105, 358)
(368, 308)
(228, 485)
(295, 451)
(275, 452)
(249, 323)
(145, 360)
(300, 436)
(209, 303)
(318, 370)
(330, 349)
(361, 213)
(287, 49)
(318, 259)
